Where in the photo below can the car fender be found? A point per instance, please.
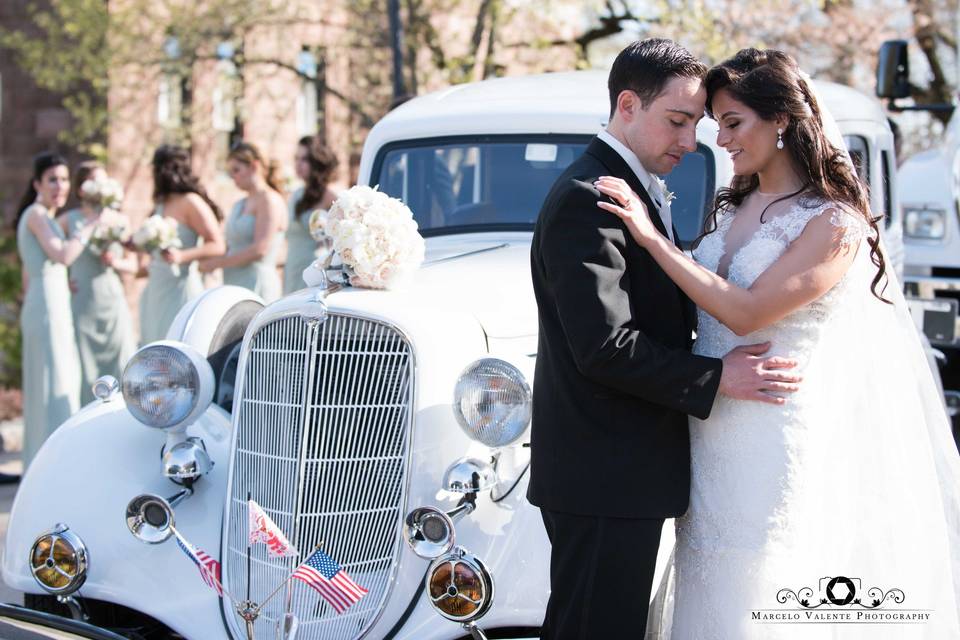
(84, 476)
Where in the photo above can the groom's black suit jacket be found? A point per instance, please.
(615, 378)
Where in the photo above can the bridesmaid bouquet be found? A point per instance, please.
(158, 233)
(102, 192)
(110, 237)
(375, 236)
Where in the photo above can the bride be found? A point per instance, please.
(855, 475)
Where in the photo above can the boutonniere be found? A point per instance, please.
(668, 195)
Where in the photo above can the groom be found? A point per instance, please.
(615, 379)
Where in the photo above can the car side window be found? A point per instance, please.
(860, 154)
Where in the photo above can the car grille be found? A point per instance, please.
(322, 425)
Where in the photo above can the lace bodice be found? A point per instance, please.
(756, 256)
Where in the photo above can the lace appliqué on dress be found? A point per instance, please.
(746, 456)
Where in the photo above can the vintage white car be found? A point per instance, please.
(354, 417)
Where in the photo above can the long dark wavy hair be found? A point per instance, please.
(769, 83)
(172, 174)
(42, 163)
(323, 166)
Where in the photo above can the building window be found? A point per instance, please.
(307, 109)
(170, 101)
(226, 96)
(311, 112)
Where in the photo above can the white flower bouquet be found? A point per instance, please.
(158, 233)
(375, 236)
(110, 237)
(318, 231)
(102, 192)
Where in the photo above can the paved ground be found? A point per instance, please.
(12, 433)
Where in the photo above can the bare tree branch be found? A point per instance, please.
(926, 32)
(365, 118)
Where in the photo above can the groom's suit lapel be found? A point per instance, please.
(620, 169)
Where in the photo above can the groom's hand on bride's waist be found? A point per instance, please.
(747, 375)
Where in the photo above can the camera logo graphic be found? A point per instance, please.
(839, 590)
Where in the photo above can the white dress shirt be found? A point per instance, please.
(646, 179)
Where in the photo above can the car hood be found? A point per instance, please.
(484, 275)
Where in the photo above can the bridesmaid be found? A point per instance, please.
(177, 194)
(101, 317)
(315, 164)
(51, 365)
(255, 227)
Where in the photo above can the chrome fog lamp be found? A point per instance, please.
(167, 384)
(150, 518)
(187, 461)
(459, 586)
(59, 561)
(429, 532)
(492, 402)
(469, 475)
(105, 387)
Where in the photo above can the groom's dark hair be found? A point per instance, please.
(645, 67)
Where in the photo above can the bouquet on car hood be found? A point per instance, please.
(375, 236)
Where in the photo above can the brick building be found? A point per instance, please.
(30, 118)
(213, 103)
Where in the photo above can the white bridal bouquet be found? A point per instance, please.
(318, 231)
(375, 236)
(102, 192)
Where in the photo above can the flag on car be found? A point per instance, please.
(209, 568)
(263, 529)
(323, 574)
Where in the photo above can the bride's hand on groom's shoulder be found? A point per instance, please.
(746, 375)
(630, 209)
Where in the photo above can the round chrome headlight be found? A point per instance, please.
(459, 586)
(58, 561)
(167, 384)
(492, 402)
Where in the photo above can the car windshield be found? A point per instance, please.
(499, 183)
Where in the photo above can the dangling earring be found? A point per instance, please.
(779, 138)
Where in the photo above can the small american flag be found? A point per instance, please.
(322, 573)
(209, 568)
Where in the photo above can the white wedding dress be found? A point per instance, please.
(856, 475)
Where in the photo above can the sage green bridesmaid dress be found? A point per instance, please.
(302, 249)
(260, 276)
(169, 287)
(51, 365)
(101, 317)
